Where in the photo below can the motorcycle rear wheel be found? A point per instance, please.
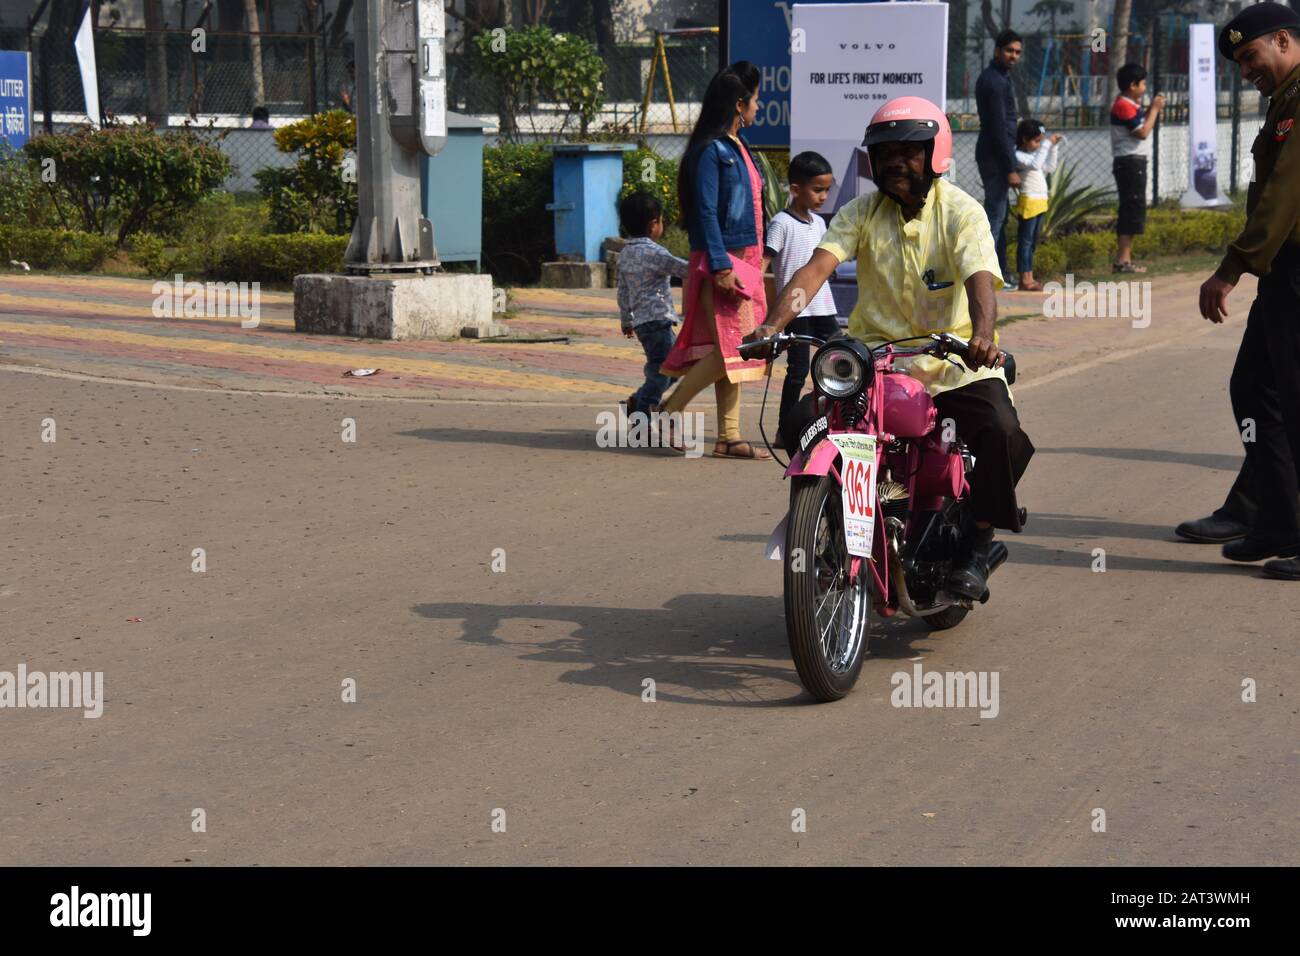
(948, 617)
(827, 615)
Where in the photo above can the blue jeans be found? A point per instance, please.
(798, 358)
(995, 206)
(656, 340)
(1027, 243)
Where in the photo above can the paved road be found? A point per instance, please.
(522, 690)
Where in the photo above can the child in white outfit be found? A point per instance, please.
(1036, 155)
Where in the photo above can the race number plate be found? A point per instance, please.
(858, 490)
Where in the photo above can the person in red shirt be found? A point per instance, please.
(1130, 131)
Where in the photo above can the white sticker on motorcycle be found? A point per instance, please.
(858, 490)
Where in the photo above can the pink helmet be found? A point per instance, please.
(912, 119)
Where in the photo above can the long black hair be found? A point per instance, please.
(748, 73)
(717, 113)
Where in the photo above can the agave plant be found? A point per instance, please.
(1067, 206)
(774, 196)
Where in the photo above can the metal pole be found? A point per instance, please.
(311, 63)
(1155, 141)
(1236, 128)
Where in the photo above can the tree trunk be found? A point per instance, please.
(255, 52)
(603, 14)
(486, 15)
(339, 25)
(1119, 42)
(155, 64)
(230, 19)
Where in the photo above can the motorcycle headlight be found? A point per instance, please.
(842, 368)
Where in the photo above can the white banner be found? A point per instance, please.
(1202, 126)
(84, 44)
(847, 60)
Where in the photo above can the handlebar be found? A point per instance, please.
(941, 346)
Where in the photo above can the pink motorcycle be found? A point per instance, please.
(877, 506)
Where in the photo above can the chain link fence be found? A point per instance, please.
(1068, 84)
(1061, 80)
(685, 66)
(209, 84)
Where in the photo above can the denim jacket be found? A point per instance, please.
(723, 214)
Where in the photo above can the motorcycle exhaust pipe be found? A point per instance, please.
(997, 557)
(900, 586)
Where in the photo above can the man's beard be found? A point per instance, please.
(919, 185)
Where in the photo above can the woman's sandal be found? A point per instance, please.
(755, 454)
(669, 434)
(1126, 267)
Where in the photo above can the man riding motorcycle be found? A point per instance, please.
(926, 263)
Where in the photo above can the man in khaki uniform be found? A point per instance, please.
(1261, 517)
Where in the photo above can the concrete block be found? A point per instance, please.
(573, 275)
(395, 307)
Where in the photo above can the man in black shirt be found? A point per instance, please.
(995, 149)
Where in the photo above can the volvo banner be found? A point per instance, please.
(1202, 121)
(848, 60)
(760, 31)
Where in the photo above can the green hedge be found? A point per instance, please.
(55, 248)
(277, 258)
(1168, 232)
(518, 229)
(644, 170)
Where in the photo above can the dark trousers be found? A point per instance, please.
(996, 206)
(987, 422)
(798, 357)
(656, 340)
(1265, 389)
(1131, 187)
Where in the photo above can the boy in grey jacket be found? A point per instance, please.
(645, 299)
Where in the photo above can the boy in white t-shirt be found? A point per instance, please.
(788, 244)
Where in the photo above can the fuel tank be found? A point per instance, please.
(909, 410)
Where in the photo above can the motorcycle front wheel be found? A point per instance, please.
(827, 614)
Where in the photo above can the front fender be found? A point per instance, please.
(819, 461)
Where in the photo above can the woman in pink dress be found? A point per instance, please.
(721, 195)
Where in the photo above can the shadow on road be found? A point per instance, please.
(725, 650)
(1049, 525)
(1022, 552)
(554, 439)
(1217, 462)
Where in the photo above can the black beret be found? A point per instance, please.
(1255, 21)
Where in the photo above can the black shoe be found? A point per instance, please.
(632, 406)
(969, 578)
(1212, 530)
(1257, 547)
(1287, 569)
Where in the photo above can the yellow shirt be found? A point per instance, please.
(950, 236)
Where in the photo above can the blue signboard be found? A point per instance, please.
(15, 98)
(759, 31)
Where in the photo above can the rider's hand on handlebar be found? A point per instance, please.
(764, 352)
(981, 353)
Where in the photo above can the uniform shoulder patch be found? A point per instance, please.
(1283, 130)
